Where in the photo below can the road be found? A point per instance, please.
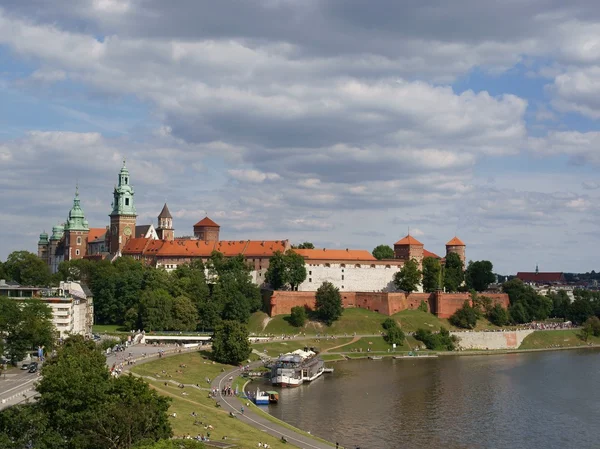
(15, 386)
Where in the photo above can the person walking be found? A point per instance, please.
(242, 409)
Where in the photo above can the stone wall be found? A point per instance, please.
(387, 303)
(491, 340)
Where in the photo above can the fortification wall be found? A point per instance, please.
(491, 340)
(441, 304)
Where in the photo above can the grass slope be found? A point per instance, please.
(197, 370)
(273, 349)
(556, 339)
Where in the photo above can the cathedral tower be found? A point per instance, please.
(123, 215)
(165, 225)
(43, 247)
(76, 231)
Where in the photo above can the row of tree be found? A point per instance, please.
(450, 276)
(195, 296)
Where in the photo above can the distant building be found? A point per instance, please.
(541, 278)
(72, 305)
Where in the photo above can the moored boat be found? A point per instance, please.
(261, 397)
(295, 368)
(273, 397)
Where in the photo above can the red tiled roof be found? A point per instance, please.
(408, 240)
(96, 233)
(265, 248)
(207, 222)
(183, 248)
(335, 254)
(455, 242)
(430, 254)
(541, 277)
(135, 246)
(229, 248)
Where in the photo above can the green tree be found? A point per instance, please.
(409, 277)
(393, 333)
(285, 269)
(27, 269)
(32, 327)
(156, 310)
(580, 310)
(185, 314)
(499, 316)
(328, 304)
(298, 316)
(306, 245)
(454, 275)
(230, 343)
(26, 426)
(518, 313)
(431, 274)
(560, 303)
(465, 317)
(383, 252)
(440, 341)
(9, 316)
(590, 327)
(479, 275)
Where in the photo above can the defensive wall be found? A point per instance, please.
(492, 340)
(441, 304)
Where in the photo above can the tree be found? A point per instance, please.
(560, 303)
(230, 343)
(590, 327)
(409, 277)
(580, 310)
(440, 341)
(531, 305)
(328, 304)
(431, 274)
(298, 316)
(454, 274)
(480, 275)
(465, 317)
(30, 327)
(156, 310)
(518, 313)
(393, 333)
(306, 245)
(383, 252)
(499, 316)
(285, 269)
(27, 269)
(185, 315)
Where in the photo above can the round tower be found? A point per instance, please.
(457, 246)
(207, 230)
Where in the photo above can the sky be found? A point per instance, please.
(342, 122)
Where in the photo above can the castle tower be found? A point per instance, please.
(43, 247)
(55, 240)
(165, 225)
(76, 231)
(409, 248)
(123, 215)
(207, 230)
(457, 246)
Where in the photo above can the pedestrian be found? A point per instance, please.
(242, 409)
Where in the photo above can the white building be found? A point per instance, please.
(72, 305)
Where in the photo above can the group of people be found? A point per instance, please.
(261, 444)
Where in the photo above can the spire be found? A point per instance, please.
(537, 269)
(76, 220)
(165, 212)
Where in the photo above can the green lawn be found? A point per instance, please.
(281, 347)
(198, 368)
(555, 339)
(377, 344)
(108, 328)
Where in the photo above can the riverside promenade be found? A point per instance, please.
(233, 404)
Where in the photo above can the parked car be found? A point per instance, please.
(25, 366)
(33, 367)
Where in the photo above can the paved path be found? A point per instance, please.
(232, 404)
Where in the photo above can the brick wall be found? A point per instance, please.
(441, 304)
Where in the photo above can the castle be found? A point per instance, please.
(350, 270)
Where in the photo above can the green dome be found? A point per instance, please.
(76, 220)
(43, 238)
(57, 232)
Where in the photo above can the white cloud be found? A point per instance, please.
(252, 176)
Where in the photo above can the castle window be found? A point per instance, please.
(79, 240)
(357, 265)
(387, 266)
(310, 272)
(372, 265)
(343, 265)
(342, 286)
(327, 265)
(77, 252)
(126, 201)
(342, 277)
(126, 179)
(309, 279)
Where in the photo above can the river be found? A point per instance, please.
(532, 400)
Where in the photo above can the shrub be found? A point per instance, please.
(465, 317)
(393, 333)
(298, 317)
(441, 341)
(423, 307)
(498, 315)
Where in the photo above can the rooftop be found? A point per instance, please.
(408, 240)
(207, 222)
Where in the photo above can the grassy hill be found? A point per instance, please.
(556, 339)
(361, 321)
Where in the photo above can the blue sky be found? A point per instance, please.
(338, 122)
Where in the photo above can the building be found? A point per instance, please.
(72, 305)
(349, 270)
(541, 278)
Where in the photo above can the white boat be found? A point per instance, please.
(261, 397)
(295, 368)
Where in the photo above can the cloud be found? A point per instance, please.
(252, 176)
